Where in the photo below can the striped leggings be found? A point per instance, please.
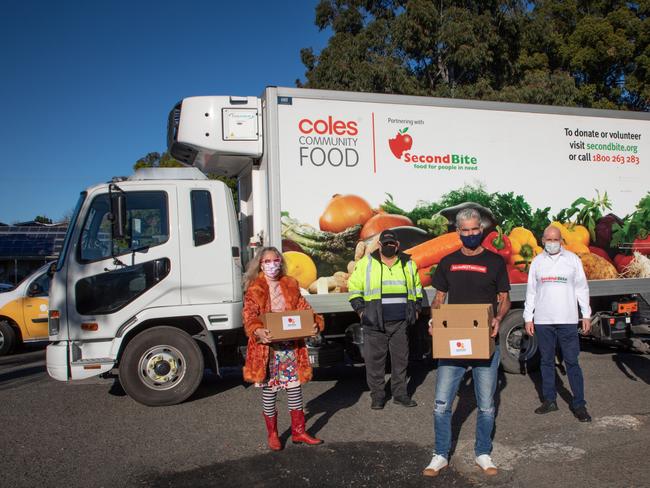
(269, 398)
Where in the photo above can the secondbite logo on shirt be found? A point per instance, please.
(474, 268)
(554, 279)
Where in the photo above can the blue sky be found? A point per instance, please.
(87, 85)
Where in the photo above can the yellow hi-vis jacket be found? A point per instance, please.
(366, 286)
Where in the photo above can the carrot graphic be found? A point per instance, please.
(432, 251)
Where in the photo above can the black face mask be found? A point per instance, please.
(472, 242)
(389, 250)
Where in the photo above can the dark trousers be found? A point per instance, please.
(376, 346)
(566, 335)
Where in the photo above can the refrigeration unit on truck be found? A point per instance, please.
(150, 277)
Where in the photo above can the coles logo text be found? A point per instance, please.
(404, 147)
(328, 141)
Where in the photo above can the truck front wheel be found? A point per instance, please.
(7, 338)
(161, 366)
(519, 352)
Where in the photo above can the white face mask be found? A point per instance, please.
(552, 247)
(272, 269)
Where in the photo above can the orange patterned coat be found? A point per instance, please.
(257, 301)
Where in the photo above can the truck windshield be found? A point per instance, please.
(147, 225)
(68, 235)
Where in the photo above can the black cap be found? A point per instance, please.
(387, 237)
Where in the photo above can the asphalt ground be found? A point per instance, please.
(90, 434)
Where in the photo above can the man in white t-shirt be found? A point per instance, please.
(556, 286)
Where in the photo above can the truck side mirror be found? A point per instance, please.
(118, 215)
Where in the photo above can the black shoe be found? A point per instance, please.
(546, 407)
(378, 404)
(405, 401)
(581, 414)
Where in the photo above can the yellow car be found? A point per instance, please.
(23, 311)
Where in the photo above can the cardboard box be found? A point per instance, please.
(463, 331)
(292, 324)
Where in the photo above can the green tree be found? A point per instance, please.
(157, 160)
(562, 52)
(42, 219)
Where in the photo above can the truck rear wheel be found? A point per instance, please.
(7, 338)
(519, 351)
(161, 366)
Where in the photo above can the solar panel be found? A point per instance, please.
(31, 242)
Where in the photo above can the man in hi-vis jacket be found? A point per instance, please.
(386, 292)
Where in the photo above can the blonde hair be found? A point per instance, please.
(254, 266)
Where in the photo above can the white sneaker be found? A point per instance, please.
(437, 464)
(484, 461)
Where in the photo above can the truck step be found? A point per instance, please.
(84, 362)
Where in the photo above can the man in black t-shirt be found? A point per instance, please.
(475, 278)
(471, 275)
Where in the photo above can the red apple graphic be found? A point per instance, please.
(400, 143)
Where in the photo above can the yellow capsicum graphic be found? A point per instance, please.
(524, 247)
(575, 237)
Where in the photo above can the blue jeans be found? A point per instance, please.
(566, 335)
(484, 375)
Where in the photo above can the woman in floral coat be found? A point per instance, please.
(275, 366)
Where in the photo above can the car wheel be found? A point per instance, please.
(161, 366)
(7, 338)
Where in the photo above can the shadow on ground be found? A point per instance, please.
(359, 464)
(24, 366)
(211, 384)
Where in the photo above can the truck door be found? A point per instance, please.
(35, 305)
(210, 248)
(111, 279)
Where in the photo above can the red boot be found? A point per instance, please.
(298, 433)
(272, 429)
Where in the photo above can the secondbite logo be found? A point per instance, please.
(401, 146)
(400, 143)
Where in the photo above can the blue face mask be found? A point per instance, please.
(473, 241)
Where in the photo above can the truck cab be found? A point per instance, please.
(149, 281)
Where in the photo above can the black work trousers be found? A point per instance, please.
(377, 345)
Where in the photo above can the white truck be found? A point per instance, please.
(149, 280)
